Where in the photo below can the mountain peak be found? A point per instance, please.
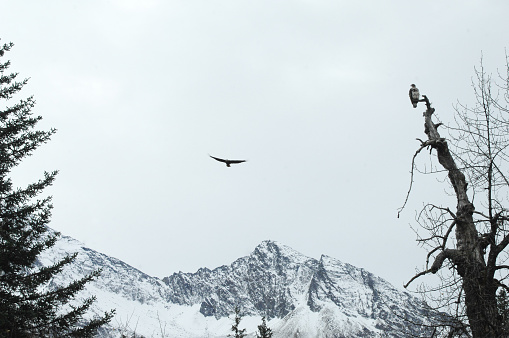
(270, 245)
(290, 289)
(276, 252)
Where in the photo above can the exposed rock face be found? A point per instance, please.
(268, 282)
(300, 296)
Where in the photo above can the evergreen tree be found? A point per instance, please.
(503, 310)
(29, 307)
(238, 333)
(263, 330)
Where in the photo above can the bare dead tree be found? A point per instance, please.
(467, 245)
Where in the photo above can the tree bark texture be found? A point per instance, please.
(479, 285)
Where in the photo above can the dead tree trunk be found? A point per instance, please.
(478, 282)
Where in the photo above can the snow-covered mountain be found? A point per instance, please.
(300, 296)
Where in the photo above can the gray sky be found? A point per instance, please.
(314, 94)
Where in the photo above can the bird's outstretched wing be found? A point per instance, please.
(236, 161)
(218, 159)
(228, 162)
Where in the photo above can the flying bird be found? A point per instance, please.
(228, 162)
(414, 95)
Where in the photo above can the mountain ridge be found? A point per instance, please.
(299, 295)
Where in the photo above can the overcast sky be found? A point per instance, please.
(314, 94)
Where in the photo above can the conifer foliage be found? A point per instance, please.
(263, 330)
(237, 333)
(29, 307)
(503, 310)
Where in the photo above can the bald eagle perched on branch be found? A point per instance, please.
(414, 95)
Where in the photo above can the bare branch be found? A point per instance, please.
(447, 234)
(483, 215)
(417, 276)
(423, 145)
(431, 253)
(451, 254)
(502, 245)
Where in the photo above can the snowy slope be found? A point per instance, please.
(301, 296)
